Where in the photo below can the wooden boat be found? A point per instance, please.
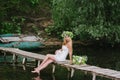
(21, 42)
(9, 35)
(23, 45)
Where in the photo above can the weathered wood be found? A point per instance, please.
(38, 62)
(94, 70)
(4, 55)
(53, 68)
(94, 76)
(68, 68)
(72, 72)
(24, 67)
(23, 53)
(27, 38)
(14, 58)
(24, 60)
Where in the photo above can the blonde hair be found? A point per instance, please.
(64, 42)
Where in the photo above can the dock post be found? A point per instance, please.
(4, 55)
(85, 72)
(68, 68)
(24, 60)
(24, 67)
(72, 72)
(94, 76)
(14, 58)
(53, 68)
(38, 62)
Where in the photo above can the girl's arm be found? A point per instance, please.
(70, 53)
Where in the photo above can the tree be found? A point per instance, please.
(95, 20)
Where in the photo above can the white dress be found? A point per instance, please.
(61, 54)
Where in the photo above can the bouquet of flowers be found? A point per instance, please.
(79, 59)
(67, 33)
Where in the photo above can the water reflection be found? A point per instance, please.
(53, 77)
(36, 78)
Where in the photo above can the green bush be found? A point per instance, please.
(88, 19)
(10, 8)
(20, 8)
(13, 26)
(62, 14)
(98, 20)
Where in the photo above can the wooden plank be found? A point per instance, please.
(108, 73)
(94, 76)
(53, 69)
(23, 53)
(24, 60)
(72, 72)
(27, 38)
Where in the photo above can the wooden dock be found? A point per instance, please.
(94, 70)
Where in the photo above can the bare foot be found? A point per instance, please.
(35, 71)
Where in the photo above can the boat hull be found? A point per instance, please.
(23, 45)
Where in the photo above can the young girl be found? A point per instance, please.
(60, 55)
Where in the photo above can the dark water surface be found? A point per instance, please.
(102, 57)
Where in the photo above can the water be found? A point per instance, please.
(103, 57)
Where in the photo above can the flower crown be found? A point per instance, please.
(67, 33)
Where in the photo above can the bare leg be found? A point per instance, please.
(48, 59)
(45, 64)
(37, 70)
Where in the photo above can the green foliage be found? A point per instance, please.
(62, 14)
(88, 19)
(67, 33)
(13, 26)
(34, 1)
(79, 59)
(27, 8)
(98, 20)
(10, 8)
(49, 30)
(35, 28)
